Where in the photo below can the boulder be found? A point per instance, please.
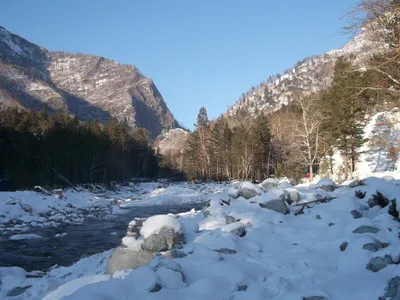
(165, 239)
(393, 289)
(134, 227)
(269, 184)
(229, 219)
(366, 229)
(175, 254)
(125, 259)
(373, 247)
(26, 207)
(233, 193)
(356, 183)
(293, 195)
(343, 246)
(18, 291)
(327, 185)
(278, 205)
(170, 273)
(356, 214)
(378, 263)
(236, 228)
(285, 185)
(248, 190)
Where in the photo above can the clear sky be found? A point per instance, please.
(199, 53)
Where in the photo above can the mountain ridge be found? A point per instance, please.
(311, 74)
(90, 87)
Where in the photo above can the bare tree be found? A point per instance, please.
(380, 18)
(380, 21)
(306, 131)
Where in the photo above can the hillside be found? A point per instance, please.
(89, 87)
(311, 74)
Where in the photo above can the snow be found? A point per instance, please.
(23, 211)
(28, 236)
(155, 223)
(325, 181)
(280, 257)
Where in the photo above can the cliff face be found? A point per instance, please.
(89, 87)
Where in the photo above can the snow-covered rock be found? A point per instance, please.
(125, 258)
(155, 224)
(248, 190)
(161, 233)
(236, 228)
(293, 195)
(269, 183)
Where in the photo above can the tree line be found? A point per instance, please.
(37, 148)
(303, 136)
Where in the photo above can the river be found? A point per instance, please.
(94, 236)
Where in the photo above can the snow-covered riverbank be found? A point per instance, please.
(344, 246)
(23, 211)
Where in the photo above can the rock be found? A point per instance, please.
(170, 273)
(360, 194)
(26, 207)
(17, 291)
(278, 205)
(226, 251)
(13, 201)
(343, 246)
(366, 229)
(356, 214)
(233, 193)
(125, 259)
(293, 195)
(378, 263)
(327, 185)
(59, 193)
(242, 288)
(393, 289)
(373, 247)
(285, 185)
(356, 183)
(327, 188)
(69, 205)
(378, 199)
(269, 184)
(164, 240)
(318, 217)
(236, 228)
(175, 254)
(134, 227)
(156, 288)
(248, 190)
(229, 219)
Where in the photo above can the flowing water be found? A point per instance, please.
(81, 240)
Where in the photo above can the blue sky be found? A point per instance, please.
(199, 53)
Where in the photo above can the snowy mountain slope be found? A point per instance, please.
(308, 75)
(87, 86)
(172, 141)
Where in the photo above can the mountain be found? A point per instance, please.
(311, 74)
(172, 141)
(89, 87)
(171, 144)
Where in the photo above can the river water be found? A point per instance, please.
(81, 240)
